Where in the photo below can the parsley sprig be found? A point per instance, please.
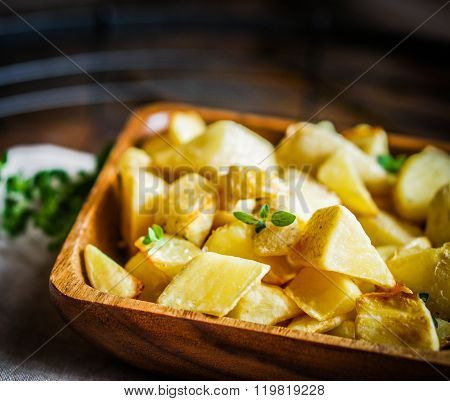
(50, 199)
(154, 234)
(279, 218)
(392, 164)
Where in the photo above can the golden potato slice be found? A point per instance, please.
(170, 254)
(346, 330)
(236, 239)
(443, 332)
(156, 144)
(224, 143)
(323, 295)
(334, 240)
(438, 217)
(184, 126)
(311, 144)
(265, 304)
(305, 196)
(277, 241)
(385, 229)
(107, 276)
(418, 181)
(341, 175)
(212, 283)
(387, 251)
(154, 279)
(370, 139)
(134, 158)
(311, 325)
(188, 208)
(248, 182)
(395, 319)
(139, 192)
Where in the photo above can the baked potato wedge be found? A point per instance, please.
(188, 208)
(311, 144)
(236, 239)
(212, 283)
(438, 217)
(265, 304)
(419, 179)
(346, 330)
(340, 174)
(443, 332)
(107, 276)
(184, 126)
(370, 139)
(397, 318)
(334, 240)
(323, 295)
(310, 325)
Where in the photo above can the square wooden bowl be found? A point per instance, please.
(192, 345)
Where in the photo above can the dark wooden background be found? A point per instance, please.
(286, 58)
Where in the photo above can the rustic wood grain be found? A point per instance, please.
(193, 345)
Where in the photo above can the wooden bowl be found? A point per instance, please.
(193, 345)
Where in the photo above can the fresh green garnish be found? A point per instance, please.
(154, 234)
(51, 200)
(3, 160)
(280, 218)
(424, 296)
(392, 164)
(435, 322)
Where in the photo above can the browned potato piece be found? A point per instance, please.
(370, 139)
(212, 283)
(265, 304)
(395, 319)
(334, 240)
(323, 295)
(277, 241)
(438, 217)
(107, 276)
(346, 330)
(310, 325)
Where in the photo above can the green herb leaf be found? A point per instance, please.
(390, 163)
(3, 159)
(424, 296)
(150, 237)
(264, 212)
(282, 219)
(435, 322)
(245, 217)
(260, 225)
(158, 230)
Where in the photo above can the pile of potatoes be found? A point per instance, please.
(367, 257)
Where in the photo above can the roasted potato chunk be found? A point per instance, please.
(139, 191)
(154, 279)
(371, 140)
(385, 229)
(236, 239)
(311, 144)
(340, 174)
(223, 144)
(346, 330)
(107, 276)
(438, 217)
(426, 271)
(443, 332)
(156, 144)
(170, 254)
(277, 241)
(395, 319)
(265, 304)
(310, 325)
(418, 181)
(184, 126)
(212, 283)
(334, 240)
(188, 208)
(323, 295)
